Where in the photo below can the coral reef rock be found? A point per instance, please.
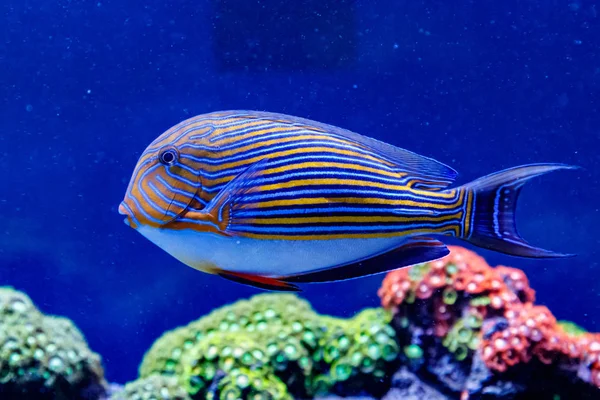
(275, 346)
(454, 328)
(474, 332)
(44, 357)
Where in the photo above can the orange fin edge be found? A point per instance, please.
(258, 281)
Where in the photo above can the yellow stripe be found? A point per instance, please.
(343, 219)
(355, 182)
(446, 194)
(345, 200)
(237, 127)
(238, 138)
(206, 196)
(373, 235)
(152, 150)
(277, 141)
(168, 136)
(179, 128)
(249, 161)
(232, 120)
(294, 167)
(253, 122)
(468, 213)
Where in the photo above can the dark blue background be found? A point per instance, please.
(86, 85)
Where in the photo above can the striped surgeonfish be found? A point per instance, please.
(272, 200)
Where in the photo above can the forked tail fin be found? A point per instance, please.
(493, 225)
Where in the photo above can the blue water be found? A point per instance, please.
(86, 85)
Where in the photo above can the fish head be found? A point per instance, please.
(166, 181)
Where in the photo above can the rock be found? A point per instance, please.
(407, 386)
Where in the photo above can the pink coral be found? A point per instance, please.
(513, 329)
(528, 333)
(463, 271)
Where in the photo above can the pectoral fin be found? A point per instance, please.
(219, 208)
(417, 250)
(258, 281)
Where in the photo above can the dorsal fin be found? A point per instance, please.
(432, 174)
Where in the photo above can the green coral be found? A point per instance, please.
(154, 387)
(417, 272)
(245, 383)
(245, 316)
(16, 307)
(41, 353)
(463, 337)
(571, 328)
(413, 352)
(275, 346)
(273, 355)
(357, 351)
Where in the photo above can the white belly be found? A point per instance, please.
(264, 257)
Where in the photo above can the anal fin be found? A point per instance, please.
(415, 251)
(261, 282)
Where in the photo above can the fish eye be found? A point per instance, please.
(168, 156)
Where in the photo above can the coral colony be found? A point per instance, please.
(455, 328)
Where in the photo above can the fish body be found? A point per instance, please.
(270, 199)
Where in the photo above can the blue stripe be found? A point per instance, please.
(141, 209)
(303, 144)
(174, 189)
(250, 129)
(334, 229)
(269, 136)
(145, 196)
(309, 211)
(291, 160)
(316, 173)
(332, 191)
(166, 200)
(179, 178)
(337, 172)
(184, 132)
(197, 222)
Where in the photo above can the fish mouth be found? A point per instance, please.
(126, 211)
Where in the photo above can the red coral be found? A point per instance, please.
(464, 271)
(589, 348)
(528, 333)
(517, 281)
(395, 288)
(514, 330)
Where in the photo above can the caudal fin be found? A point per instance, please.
(493, 225)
